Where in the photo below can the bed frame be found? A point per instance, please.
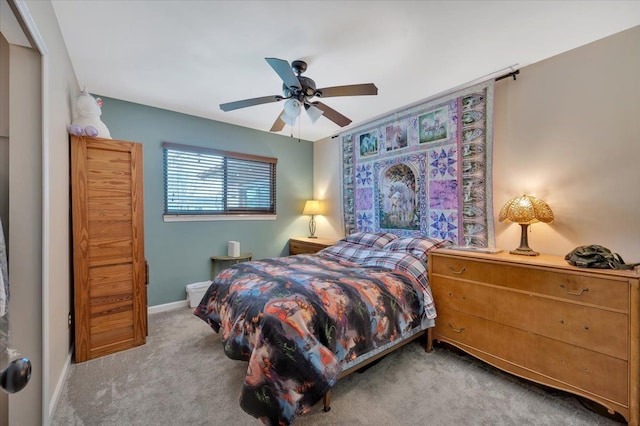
(326, 400)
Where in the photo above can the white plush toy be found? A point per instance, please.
(87, 120)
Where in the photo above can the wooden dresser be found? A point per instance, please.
(304, 245)
(540, 318)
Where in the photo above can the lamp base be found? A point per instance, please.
(312, 228)
(524, 243)
(524, 252)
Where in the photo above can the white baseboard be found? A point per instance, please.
(167, 306)
(53, 403)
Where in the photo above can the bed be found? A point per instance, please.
(304, 321)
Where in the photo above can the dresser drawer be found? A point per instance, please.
(588, 327)
(301, 248)
(534, 356)
(609, 292)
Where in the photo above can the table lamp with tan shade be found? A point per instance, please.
(524, 211)
(312, 208)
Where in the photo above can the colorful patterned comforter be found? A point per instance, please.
(298, 319)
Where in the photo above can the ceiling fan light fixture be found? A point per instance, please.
(293, 108)
(314, 113)
(288, 119)
(298, 90)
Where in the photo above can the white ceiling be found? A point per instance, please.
(191, 56)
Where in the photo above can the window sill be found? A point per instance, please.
(214, 218)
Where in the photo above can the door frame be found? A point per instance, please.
(30, 30)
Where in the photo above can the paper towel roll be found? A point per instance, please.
(234, 249)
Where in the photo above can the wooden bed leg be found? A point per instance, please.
(429, 346)
(326, 400)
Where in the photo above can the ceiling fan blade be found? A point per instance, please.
(230, 106)
(278, 124)
(350, 90)
(284, 70)
(332, 114)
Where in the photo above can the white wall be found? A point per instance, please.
(62, 88)
(327, 186)
(567, 131)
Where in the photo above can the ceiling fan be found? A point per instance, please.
(298, 91)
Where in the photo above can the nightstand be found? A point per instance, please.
(540, 318)
(218, 263)
(304, 245)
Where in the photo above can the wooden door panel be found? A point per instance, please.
(112, 228)
(110, 160)
(109, 214)
(108, 190)
(111, 245)
(102, 323)
(110, 251)
(108, 235)
(101, 340)
(112, 304)
(111, 289)
(107, 276)
(106, 209)
(108, 187)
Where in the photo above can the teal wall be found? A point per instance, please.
(179, 253)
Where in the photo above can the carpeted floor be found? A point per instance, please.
(182, 377)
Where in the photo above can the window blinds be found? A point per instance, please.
(203, 181)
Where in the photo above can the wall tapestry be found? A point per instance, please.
(424, 171)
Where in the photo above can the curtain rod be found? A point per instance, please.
(479, 80)
(511, 74)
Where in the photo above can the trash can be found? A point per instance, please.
(196, 291)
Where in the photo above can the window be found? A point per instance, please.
(201, 181)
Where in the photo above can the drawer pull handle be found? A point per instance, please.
(456, 330)
(457, 272)
(574, 292)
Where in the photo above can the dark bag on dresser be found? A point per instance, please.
(595, 256)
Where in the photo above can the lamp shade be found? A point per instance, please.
(291, 121)
(313, 112)
(293, 108)
(526, 210)
(312, 207)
